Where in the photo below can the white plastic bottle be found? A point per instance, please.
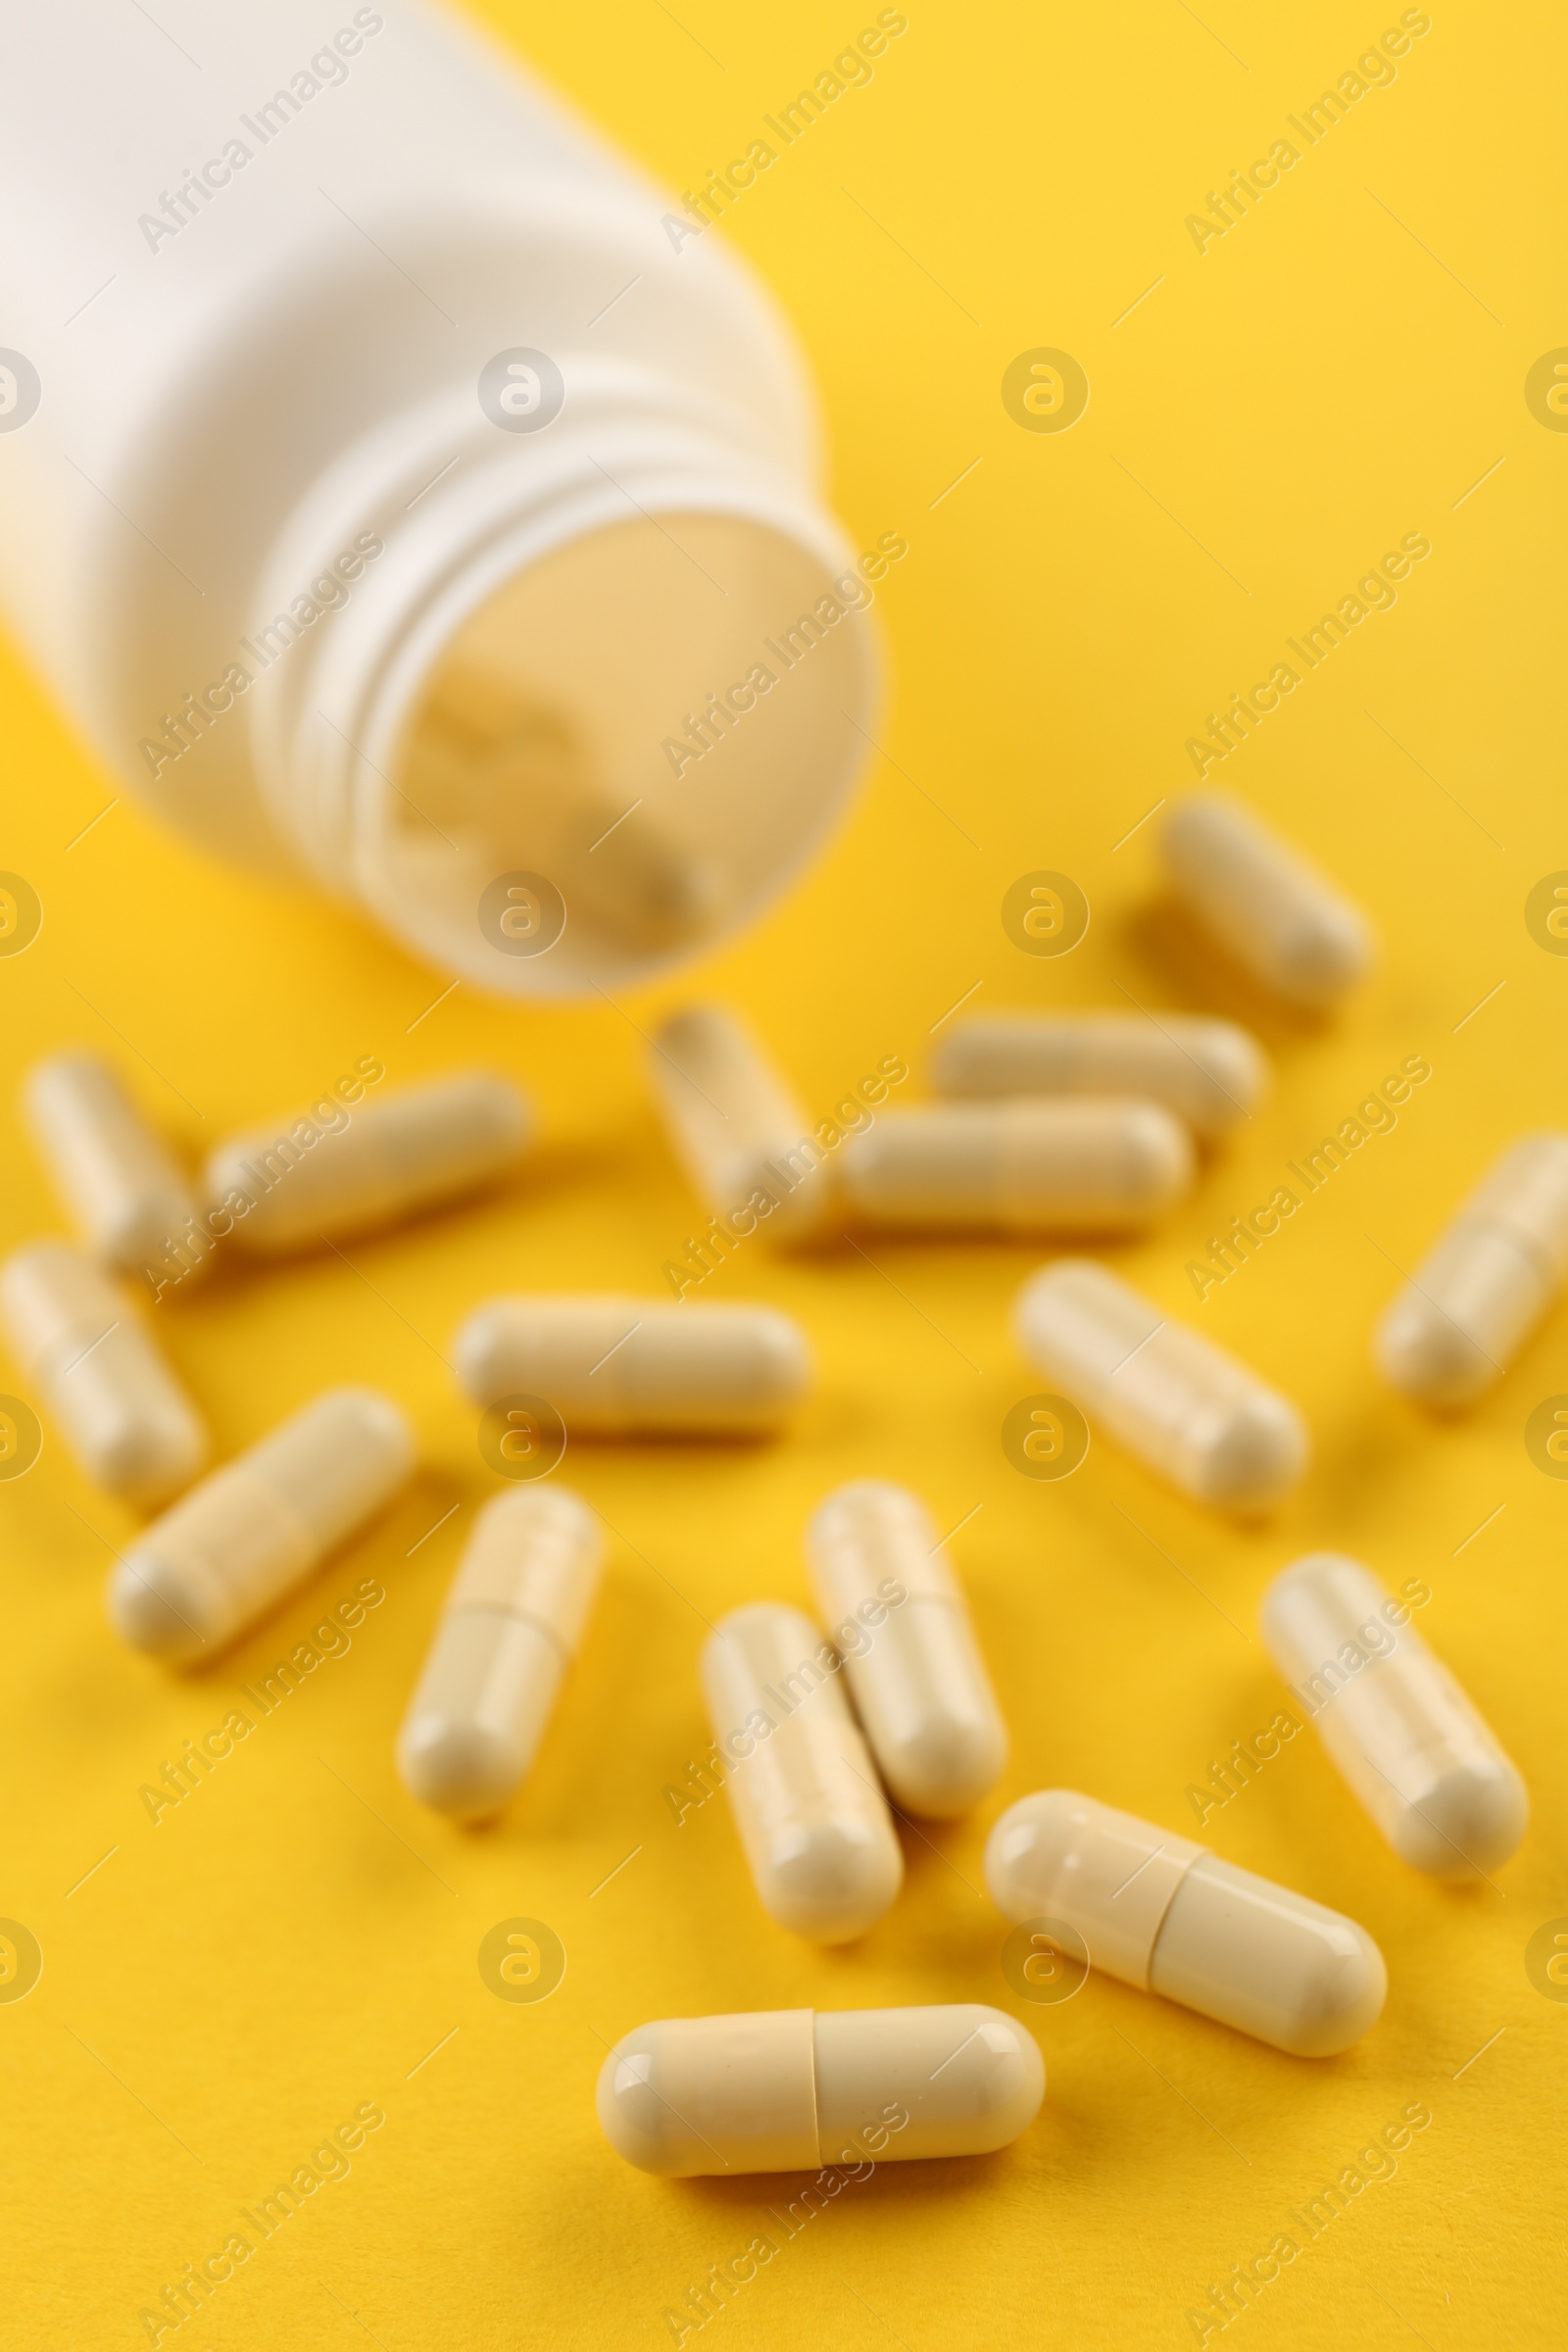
(405, 494)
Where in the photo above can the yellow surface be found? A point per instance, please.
(291, 1942)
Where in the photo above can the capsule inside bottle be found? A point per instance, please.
(787, 2089)
(812, 1819)
(915, 1669)
(1405, 1737)
(1169, 1917)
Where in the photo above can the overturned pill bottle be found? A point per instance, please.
(407, 497)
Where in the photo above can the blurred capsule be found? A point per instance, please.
(510, 1629)
(614, 1367)
(1470, 1306)
(1179, 1403)
(118, 1405)
(131, 1203)
(1068, 1166)
(738, 1131)
(1209, 1073)
(1263, 902)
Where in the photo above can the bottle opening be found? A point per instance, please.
(622, 752)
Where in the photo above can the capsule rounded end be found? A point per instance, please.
(1161, 1158)
(784, 1368)
(945, 1769)
(1238, 1074)
(640, 2125)
(1469, 1823)
(1338, 1999)
(1257, 1456)
(1007, 2082)
(1425, 1353)
(148, 1456)
(1322, 959)
(151, 1611)
(478, 1347)
(1027, 1847)
(460, 1769)
(831, 1881)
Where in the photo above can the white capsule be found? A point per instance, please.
(1260, 900)
(617, 1367)
(1069, 1166)
(1471, 1303)
(99, 1376)
(1209, 1073)
(915, 1669)
(120, 1184)
(1183, 1405)
(510, 1630)
(792, 2090)
(1169, 1917)
(256, 1528)
(383, 1160)
(737, 1129)
(1392, 1718)
(812, 1819)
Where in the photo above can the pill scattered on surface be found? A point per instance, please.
(256, 1528)
(510, 1629)
(915, 1669)
(1462, 1317)
(788, 2090)
(1183, 1405)
(1209, 1073)
(1169, 1917)
(1258, 897)
(1394, 1722)
(428, 1144)
(1021, 1166)
(115, 1175)
(737, 1129)
(813, 1823)
(620, 1366)
(98, 1374)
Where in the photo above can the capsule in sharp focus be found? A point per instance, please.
(1180, 1403)
(1069, 1166)
(737, 1129)
(256, 1528)
(792, 2090)
(304, 1179)
(1209, 1073)
(1392, 1718)
(130, 1201)
(1468, 1308)
(100, 1378)
(812, 1819)
(1258, 897)
(510, 1627)
(1169, 1917)
(616, 1366)
(915, 1669)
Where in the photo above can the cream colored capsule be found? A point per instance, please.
(793, 2090)
(370, 1167)
(1471, 1303)
(256, 1528)
(1172, 1398)
(122, 1187)
(737, 1129)
(614, 1367)
(1260, 900)
(510, 1630)
(1169, 1917)
(1067, 1167)
(915, 1669)
(1209, 1073)
(118, 1405)
(812, 1819)
(1392, 1718)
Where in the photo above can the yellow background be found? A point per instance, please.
(281, 1948)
